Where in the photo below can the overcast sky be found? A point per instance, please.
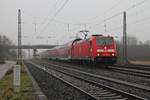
(52, 19)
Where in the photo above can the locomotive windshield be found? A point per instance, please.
(104, 41)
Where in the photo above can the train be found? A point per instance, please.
(97, 49)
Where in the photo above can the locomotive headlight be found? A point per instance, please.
(111, 50)
(98, 54)
(113, 54)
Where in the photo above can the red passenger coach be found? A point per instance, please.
(97, 49)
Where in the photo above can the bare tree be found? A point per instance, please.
(6, 53)
(131, 40)
(147, 42)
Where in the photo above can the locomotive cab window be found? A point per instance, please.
(104, 41)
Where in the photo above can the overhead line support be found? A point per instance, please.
(19, 59)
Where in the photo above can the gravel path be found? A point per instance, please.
(5, 67)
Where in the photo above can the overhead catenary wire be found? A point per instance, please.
(33, 23)
(108, 10)
(140, 20)
(47, 17)
(115, 15)
(30, 15)
(101, 22)
(130, 24)
(61, 22)
(38, 17)
(134, 22)
(82, 24)
(136, 5)
(127, 9)
(140, 30)
(114, 6)
(107, 19)
(104, 20)
(56, 2)
(55, 15)
(116, 28)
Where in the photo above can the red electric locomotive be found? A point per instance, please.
(97, 49)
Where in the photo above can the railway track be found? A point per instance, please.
(136, 70)
(93, 87)
(134, 66)
(55, 87)
(131, 77)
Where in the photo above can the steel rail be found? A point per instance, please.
(134, 66)
(75, 87)
(138, 72)
(108, 79)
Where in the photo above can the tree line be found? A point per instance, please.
(136, 49)
(6, 53)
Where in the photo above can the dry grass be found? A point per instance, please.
(141, 62)
(7, 90)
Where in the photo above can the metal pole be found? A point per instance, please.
(19, 39)
(85, 26)
(125, 61)
(105, 26)
(68, 26)
(17, 68)
(34, 27)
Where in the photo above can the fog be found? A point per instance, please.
(59, 21)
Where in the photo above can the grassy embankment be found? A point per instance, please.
(7, 91)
